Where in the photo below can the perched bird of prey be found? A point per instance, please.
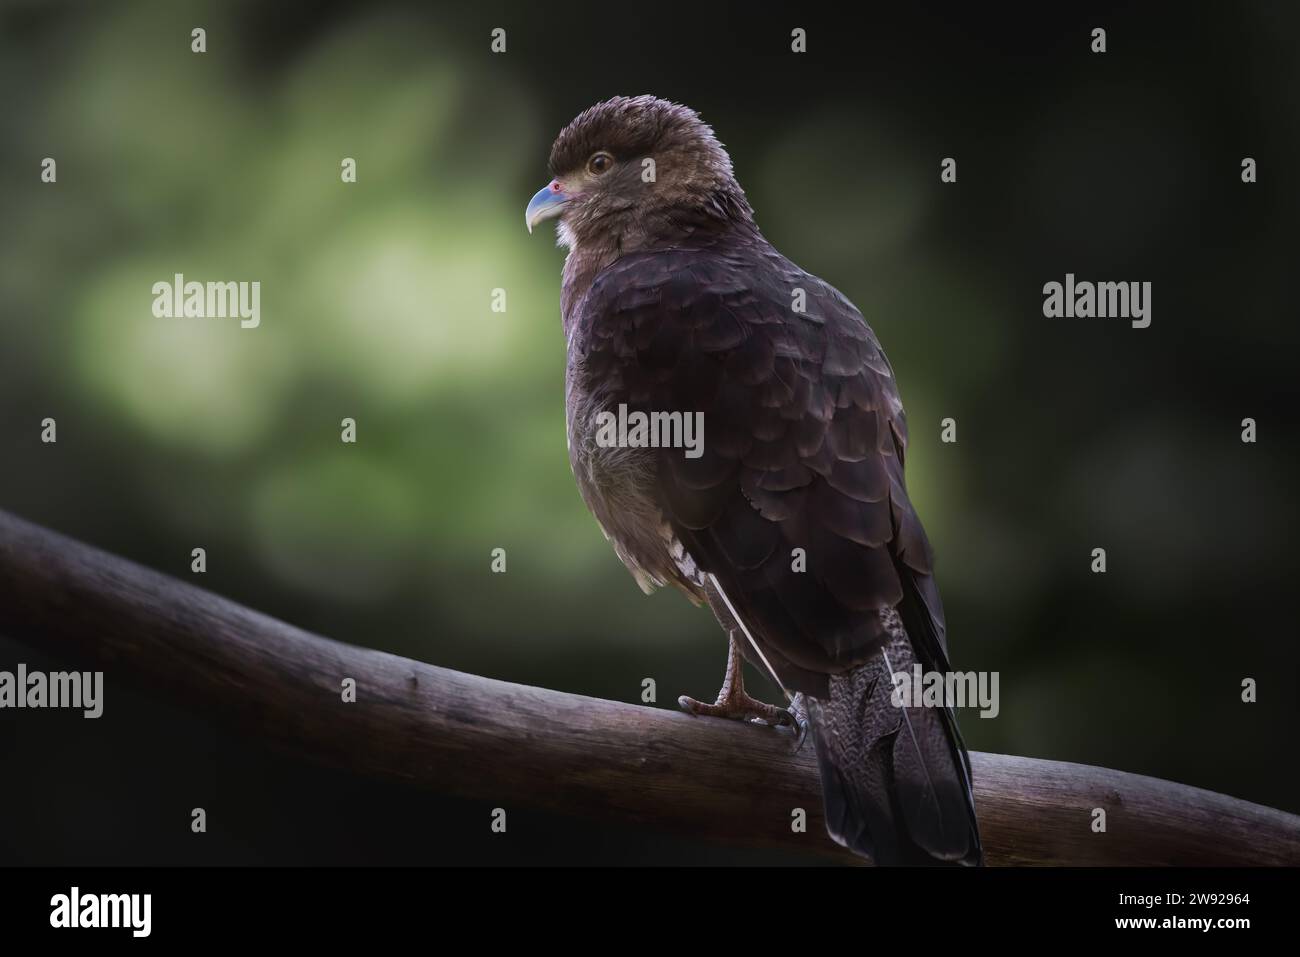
(791, 520)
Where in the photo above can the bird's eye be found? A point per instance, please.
(600, 163)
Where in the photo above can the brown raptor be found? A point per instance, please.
(792, 520)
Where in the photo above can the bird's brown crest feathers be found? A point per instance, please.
(630, 127)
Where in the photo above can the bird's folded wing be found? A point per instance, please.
(797, 503)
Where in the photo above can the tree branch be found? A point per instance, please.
(515, 745)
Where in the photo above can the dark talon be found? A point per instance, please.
(798, 715)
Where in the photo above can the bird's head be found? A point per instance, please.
(636, 170)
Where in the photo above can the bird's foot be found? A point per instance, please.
(739, 706)
(734, 703)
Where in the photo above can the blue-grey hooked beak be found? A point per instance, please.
(546, 204)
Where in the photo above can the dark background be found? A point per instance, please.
(1072, 434)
